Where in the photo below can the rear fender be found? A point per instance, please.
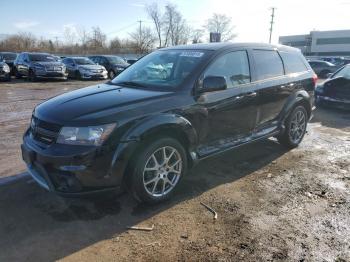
(299, 97)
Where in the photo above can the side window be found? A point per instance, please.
(234, 66)
(293, 63)
(268, 64)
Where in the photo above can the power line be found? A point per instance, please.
(272, 22)
(121, 29)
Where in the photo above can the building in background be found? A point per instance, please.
(320, 43)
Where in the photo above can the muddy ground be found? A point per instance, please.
(272, 204)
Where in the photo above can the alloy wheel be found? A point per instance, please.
(162, 171)
(297, 126)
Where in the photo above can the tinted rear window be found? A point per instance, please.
(268, 64)
(293, 63)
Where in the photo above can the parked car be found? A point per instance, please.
(144, 133)
(84, 68)
(113, 64)
(8, 58)
(322, 68)
(335, 91)
(39, 65)
(5, 72)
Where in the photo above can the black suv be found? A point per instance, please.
(176, 106)
(39, 65)
(113, 64)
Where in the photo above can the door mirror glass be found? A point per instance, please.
(213, 83)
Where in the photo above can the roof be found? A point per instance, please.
(224, 45)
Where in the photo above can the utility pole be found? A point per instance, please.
(140, 30)
(272, 22)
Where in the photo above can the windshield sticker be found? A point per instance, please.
(192, 54)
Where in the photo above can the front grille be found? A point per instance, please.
(44, 132)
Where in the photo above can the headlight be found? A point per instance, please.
(90, 136)
(6, 68)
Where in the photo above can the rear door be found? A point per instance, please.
(272, 86)
(231, 113)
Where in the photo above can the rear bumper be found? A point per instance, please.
(77, 172)
(332, 102)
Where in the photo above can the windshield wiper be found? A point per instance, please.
(128, 83)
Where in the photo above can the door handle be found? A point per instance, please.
(251, 94)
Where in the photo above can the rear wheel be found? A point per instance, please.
(295, 128)
(157, 170)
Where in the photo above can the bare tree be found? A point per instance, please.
(156, 16)
(143, 39)
(176, 30)
(98, 39)
(69, 35)
(197, 35)
(220, 23)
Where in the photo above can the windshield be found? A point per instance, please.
(9, 56)
(162, 69)
(83, 61)
(345, 72)
(41, 58)
(116, 60)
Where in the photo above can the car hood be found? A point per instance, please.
(93, 67)
(100, 104)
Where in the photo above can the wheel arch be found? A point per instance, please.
(167, 125)
(299, 98)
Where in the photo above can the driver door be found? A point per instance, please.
(231, 113)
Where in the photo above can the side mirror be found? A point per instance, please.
(213, 83)
(329, 75)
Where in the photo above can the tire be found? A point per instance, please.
(9, 78)
(77, 75)
(294, 133)
(32, 76)
(158, 183)
(15, 72)
(111, 74)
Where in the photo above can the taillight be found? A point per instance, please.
(314, 79)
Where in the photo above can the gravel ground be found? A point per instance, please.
(272, 204)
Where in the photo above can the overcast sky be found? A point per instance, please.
(48, 18)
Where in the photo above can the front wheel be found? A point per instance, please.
(157, 170)
(32, 76)
(111, 74)
(295, 128)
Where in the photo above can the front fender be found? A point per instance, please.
(173, 123)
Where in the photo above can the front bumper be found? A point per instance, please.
(332, 102)
(51, 75)
(71, 170)
(89, 75)
(4, 75)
